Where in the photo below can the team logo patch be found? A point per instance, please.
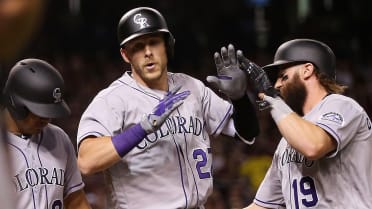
(334, 117)
(141, 21)
(57, 95)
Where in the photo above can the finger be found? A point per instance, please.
(225, 56)
(268, 98)
(170, 110)
(261, 96)
(218, 61)
(180, 96)
(242, 60)
(231, 54)
(174, 90)
(176, 99)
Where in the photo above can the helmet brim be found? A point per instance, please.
(145, 32)
(272, 69)
(54, 110)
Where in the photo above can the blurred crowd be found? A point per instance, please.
(80, 40)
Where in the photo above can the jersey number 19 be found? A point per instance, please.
(307, 188)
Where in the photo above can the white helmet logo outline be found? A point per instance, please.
(142, 21)
(57, 95)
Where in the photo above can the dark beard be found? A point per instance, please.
(295, 94)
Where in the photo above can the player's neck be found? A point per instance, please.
(160, 83)
(12, 126)
(314, 96)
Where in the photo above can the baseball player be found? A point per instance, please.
(43, 165)
(149, 130)
(324, 158)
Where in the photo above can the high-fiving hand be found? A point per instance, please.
(230, 79)
(257, 75)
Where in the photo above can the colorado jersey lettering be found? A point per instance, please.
(44, 169)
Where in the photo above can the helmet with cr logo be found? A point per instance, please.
(35, 86)
(141, 21)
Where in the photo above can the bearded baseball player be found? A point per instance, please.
(43, 165)
(324, 158)
(149, 130)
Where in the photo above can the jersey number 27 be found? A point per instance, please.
(202, 157)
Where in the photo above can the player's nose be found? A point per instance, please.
(148, 50)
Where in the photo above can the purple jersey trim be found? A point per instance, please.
(333, 133)
(38, 155)
(140, 90)
(192, 172)
(179, 163)
(28, 166)
(269, 203)
(224, 118)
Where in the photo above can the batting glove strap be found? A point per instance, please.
(128, 139)
(279, 109)
(150, 123)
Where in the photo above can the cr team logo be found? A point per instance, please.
(57, 95)
(141, 21)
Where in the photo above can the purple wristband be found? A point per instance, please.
(127, 140)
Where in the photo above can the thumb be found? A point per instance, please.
(268, 99)
(214, 81)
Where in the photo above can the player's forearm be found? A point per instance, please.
(307, 138)
(76, 200)
(96, 154)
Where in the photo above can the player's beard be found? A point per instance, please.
(294, 94)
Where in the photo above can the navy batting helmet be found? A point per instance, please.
(141, 21)
(300, 51)
(35, 86)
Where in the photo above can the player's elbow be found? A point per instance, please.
(85, 167)
(320, 148)
(312, 154)
(315, 151)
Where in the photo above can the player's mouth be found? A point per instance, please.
(150, 66)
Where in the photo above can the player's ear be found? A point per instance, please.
(124, 54)
(308, 70)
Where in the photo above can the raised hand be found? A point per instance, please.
(259, 78)
(257, 75)
(161, 112)
(230, 79)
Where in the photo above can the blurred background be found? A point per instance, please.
(79, 38)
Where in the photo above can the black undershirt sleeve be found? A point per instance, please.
(245, 118)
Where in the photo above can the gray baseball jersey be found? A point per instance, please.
(340, 180)
(170, 168)
(44, 169)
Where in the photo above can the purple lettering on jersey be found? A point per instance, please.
(290, 155)
(174, 125)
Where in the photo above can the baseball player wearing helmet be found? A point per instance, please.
(149, 130)
(43, 162)
(324, 158)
